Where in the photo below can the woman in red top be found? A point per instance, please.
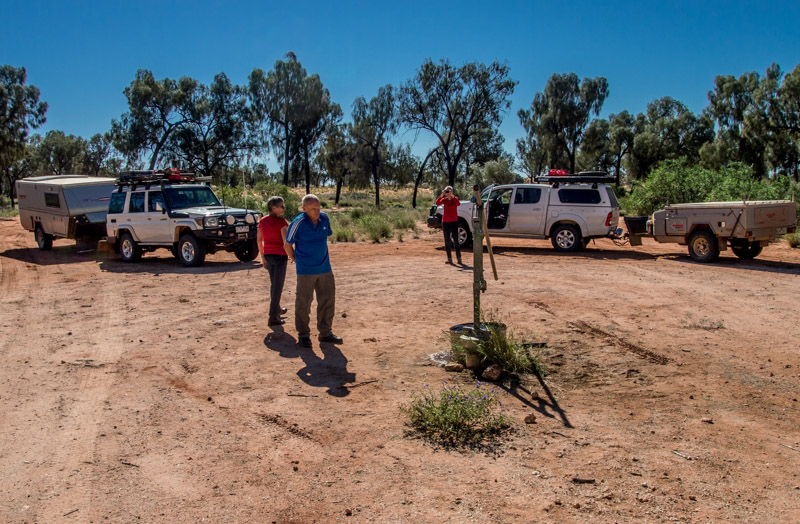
(450, 222)
(271, 232)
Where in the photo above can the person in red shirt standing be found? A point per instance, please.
(271, 232)
(450, 222)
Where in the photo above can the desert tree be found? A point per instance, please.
(455, 104)
(374, 122)
(215, 134)
(668, 130)
(560, 114)
(60, 154)
(20, 111)
(156, 110)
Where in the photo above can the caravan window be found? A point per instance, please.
(137, 202)
(51, 200)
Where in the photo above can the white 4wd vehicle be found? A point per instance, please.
(168, 209)
(569, 210)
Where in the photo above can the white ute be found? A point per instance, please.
(569, 210)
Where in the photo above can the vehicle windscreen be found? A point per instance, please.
(186, 197)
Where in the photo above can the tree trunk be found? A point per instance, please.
(418, 180)
(339, 185)
(10, 181)
(307, 168)
(376, 180)
(286, 151)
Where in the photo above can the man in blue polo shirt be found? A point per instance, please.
(307, 246)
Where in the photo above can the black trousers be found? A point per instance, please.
(450, 230)
(276, 266)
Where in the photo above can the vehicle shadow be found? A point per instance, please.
(59, 255)
(589, 252)
(168, 265)
(769, 266)
(329, 372)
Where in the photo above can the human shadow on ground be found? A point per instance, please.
(329, 372)
(548, 407)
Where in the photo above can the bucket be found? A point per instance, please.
(636, 225)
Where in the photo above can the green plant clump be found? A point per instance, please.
(458, 416)
(676, 182)
(502, 349)
(793, 239)
(376, 227)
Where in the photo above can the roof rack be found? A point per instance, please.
(593, 177)
(171, 175)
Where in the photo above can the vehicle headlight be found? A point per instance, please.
(248, 218)
(211, 222)
(230, 219)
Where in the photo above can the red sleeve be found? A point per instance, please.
(440, 201)
(458, 202)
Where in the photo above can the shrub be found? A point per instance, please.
(376, 227)
(793, 239)
(500, 348)
(675, 182)
(456, 415)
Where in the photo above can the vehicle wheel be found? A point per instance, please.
(747, 251)
(43, 240)
(464, 234)
(129, 250)
(191, 253)
(247, 252)
(703, 246)
(566, 237)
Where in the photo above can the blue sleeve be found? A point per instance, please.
(291, 234)
(328, 220)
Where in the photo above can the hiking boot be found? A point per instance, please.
(283, 310)
(333, 339)
(304, 342)
(276, 322)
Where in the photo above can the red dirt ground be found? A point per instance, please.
(154, 393)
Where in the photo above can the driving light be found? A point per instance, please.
(249, 218)
(230, 219)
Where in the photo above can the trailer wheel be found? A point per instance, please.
(566, 238)
(43, 240)
(464, 235)
(747, 251)
(247, 252)
(703, 246)
(129, 250)
(191, 252)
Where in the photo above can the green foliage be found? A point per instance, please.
(793, 239)
(257, 197)
(504, 350)
(494, 172)
(377, 227)
(456, 415)
(501, 348)
(675, 182)
(558, 117)
(456, 104)
(342, 226)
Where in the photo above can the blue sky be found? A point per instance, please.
(82, 54)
